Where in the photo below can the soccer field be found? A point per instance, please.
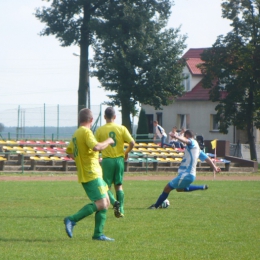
(220, 223)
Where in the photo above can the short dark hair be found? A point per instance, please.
(189, 133)
(85, 115)
(110, 112)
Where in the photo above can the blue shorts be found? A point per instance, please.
(183, 180)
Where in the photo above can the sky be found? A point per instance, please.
(36, 70)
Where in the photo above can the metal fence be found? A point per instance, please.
(47, 122)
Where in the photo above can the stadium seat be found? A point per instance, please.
(151, 149)
(28, 148)
(142, 149)
(11, 142)
(133, 160)
(20, 151)
(18, 148)
(35, 158)
(66, 158)
(55, 158)
(155, 153)
(146, 153)
(153, 144)
(7, 148)
(170, 159)
(40, 152)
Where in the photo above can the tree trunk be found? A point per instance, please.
(84, 88)
(126, 112)
(250, 128)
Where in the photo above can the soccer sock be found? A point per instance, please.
(84, 212)
(111, 197)
(120, 195)
(193, 187)
(100, 220)
(161, 199)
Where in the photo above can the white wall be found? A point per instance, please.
(199, 112)
(194, 80)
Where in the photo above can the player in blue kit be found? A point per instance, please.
(187, 169)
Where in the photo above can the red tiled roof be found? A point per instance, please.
(193, 58)
(193, 53)
(192, 65)
(197, 93)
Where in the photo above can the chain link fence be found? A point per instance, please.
(41, 122)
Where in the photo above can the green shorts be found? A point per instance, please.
(96, 189)
(113, 170)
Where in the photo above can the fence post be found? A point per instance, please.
(44, 139)
(22, 163)
(146, 157)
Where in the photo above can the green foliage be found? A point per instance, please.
(73, 22)
(233, 65)
(142, 128)
(196, 225)
(136, 57)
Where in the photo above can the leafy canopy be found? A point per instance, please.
(136, 58)
(233, 65)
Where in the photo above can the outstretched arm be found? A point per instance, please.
(181, 138)
(213, 166)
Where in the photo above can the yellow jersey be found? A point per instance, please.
(119, 134)
(87, 160)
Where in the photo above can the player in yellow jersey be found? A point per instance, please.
(84, 148)
(113, 158)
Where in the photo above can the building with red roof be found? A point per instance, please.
(194, 110)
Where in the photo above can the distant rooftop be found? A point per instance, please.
(193, 58)
(194, 53)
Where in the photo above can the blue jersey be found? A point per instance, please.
(191, 155)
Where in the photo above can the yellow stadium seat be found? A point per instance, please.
(28, 148)
(8, 148)
(151, 149)
(142, 149)
(18, 148)
(45, 158)
(11, 142)
(55, 158)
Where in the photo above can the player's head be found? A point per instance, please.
(85, 116)
(155, 123)
(110, 113)
(188, 134)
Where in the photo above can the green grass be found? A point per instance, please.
(220, 223)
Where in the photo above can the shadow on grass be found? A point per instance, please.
(33, 217)
(29, 240)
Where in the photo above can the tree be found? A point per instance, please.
(142, 128)
(73, 22)
(2, 127)
(136, 58)
(233, 64)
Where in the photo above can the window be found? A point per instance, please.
(186, 81)
(214, 123)
(183, 121)
(150, 122)
(159, 118)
